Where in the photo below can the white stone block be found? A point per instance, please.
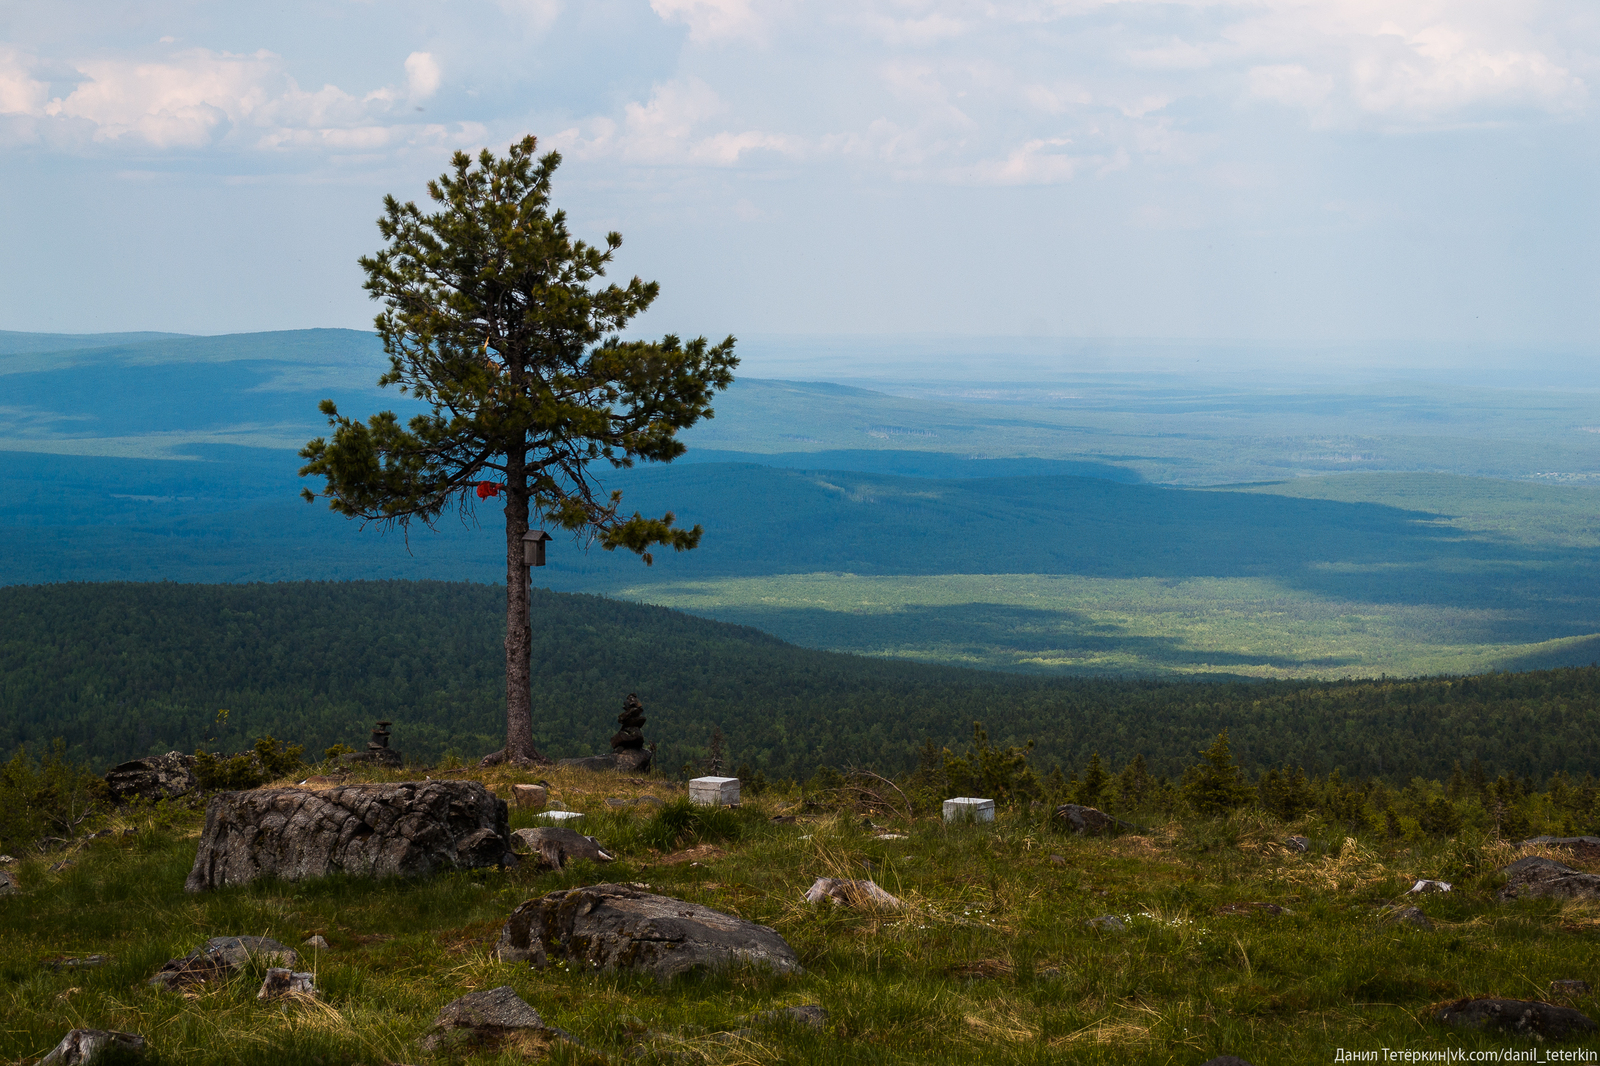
(560, 817)
(968, 809)
(714, 791)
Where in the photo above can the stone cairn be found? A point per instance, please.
(628, 743)
(378, 749)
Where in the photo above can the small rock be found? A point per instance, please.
(862, 894)
(1540, 878)
(86, 962)
(1087, 821)
(480, 1017)
(219, 957)
(1297, 843)
(282, 982)
(1058, 860)
(1569, 989)
(1428, 886)
(529, 797)
(1520, 1016)
(615, 927)
(85, 1045)
(554, 846)
(8, 884)
(6, 860)
(1107, 922)
(812, 1014)
(1411, 916)
(317, 943)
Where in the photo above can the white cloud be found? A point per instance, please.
(670, 129)
(422, 76)
(711, 20)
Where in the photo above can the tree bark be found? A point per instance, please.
(519, 633)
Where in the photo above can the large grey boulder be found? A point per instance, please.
(85, 1045)
(221, 956)
(153, 778)
(553, 846)
(397, 829)
(620, 927)
(1539, 878)
(1523, 1017)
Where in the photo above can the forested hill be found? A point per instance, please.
(121, 670)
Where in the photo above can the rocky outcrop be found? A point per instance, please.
(483, 1018)
(1523, 1017)
(221, 956)
(553, 847)
(620, 927)
(85, 1045)
(1539, 878)
(153, 778)
(400, 829)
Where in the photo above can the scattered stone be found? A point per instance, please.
(1424, 886)
(862, 894)
(85, 1045)
(378, 750)
(529, 797)
(1271, 909)
(1298, 843)
(219, 957)
(1108, 922)
(1569, 989)
(1520, 1016)
(612, 927)
(554, 846)
(481, 1018)
(402, 829)
(1411, 916)
(968, 809)
(1087, 821)
(282, 982)
(8, 884)
(1058, 860)
(812, 1014)
(86, 962)
(714, 791)
(153, 778)
(1539, 878)
(317, 943)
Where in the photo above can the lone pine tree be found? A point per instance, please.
(495, 317)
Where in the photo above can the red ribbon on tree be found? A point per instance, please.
(487, 489)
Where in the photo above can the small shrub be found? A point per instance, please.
(680, 822)
(269, 759)
(51, 797)
(337, 750)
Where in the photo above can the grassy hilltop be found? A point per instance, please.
(1229, 943)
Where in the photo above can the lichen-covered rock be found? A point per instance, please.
(82, 1046)
(1540, 878)
(620, 927)
(153, 778)
(1524, 1017)
(400, 829)
(282, 981)
(865, 895)
(553, 846)
(221, 956)
(482, 1018)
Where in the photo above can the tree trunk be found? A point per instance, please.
(519, 634)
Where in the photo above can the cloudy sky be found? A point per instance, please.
(1303, 170)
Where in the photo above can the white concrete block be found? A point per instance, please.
(714, 791)
(968, 809)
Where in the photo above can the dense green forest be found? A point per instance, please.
(120, 670)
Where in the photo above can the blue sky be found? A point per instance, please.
(1282, 170)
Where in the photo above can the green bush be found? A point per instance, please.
(50, 797)
(269, 759)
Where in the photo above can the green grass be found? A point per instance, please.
(990, 960)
